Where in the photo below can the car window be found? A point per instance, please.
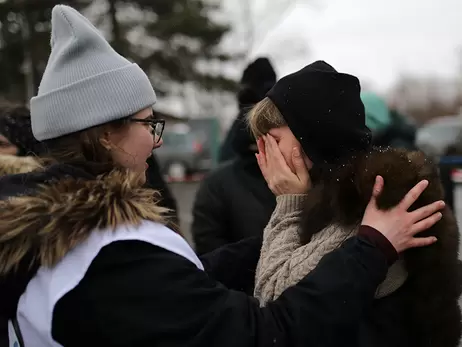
(176, 140)
(446, 131)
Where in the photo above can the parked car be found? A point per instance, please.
(435, 137)
(184, 152)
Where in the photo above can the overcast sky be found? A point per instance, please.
(377, 40)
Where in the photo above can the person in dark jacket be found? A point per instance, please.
(389, 127)
(315, 217)
(233, 202)
(86, 258)
(258, 77)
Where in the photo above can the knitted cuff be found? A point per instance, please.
(290, 202)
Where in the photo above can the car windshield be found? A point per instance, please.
(176, 140)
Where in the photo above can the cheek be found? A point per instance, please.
(286, 149)
(134, 149)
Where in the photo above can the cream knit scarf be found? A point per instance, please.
(321, 244)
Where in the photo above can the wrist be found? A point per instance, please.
(376, 238)
(290, 202)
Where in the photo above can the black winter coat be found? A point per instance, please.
(232, 203)
(137, 294)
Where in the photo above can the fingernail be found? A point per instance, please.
(377, 179)
(296, 152)
(442, 203)
(440, 215)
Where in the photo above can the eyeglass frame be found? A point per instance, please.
(153, 123)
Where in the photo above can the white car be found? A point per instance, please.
(435, 137)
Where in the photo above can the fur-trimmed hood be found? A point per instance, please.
(49, 222)
(430, 294)
(11, 164)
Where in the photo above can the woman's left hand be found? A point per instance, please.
(398, 225)
(278, 175)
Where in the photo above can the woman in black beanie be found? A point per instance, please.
(316, 156)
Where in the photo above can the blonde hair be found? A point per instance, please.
(263, 117)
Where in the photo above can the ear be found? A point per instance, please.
(105, 140)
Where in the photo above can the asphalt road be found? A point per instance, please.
(185, 193)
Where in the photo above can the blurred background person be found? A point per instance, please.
(389, 127)
(15, 131)
(233, 202)
(18, 147)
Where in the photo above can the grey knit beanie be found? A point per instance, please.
(86, 83)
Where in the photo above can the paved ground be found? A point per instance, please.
(185, 193)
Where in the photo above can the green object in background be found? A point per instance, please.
(377, 113)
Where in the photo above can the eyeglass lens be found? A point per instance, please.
(158, 129)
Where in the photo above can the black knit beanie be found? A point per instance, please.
(324, 110)
(257, 79)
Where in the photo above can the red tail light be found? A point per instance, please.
(197, 146)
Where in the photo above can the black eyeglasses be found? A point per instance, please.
(157, 126)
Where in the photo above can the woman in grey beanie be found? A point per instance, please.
(86, 258)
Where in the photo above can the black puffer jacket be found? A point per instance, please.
(232, 203)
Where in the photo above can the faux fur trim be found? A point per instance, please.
(434, 284)
(59, 216)
(10, 164)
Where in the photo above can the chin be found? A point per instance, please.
(140, 173)
(141, 178)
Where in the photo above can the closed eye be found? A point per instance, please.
(277, 138)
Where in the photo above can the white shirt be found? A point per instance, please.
(49, 285)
